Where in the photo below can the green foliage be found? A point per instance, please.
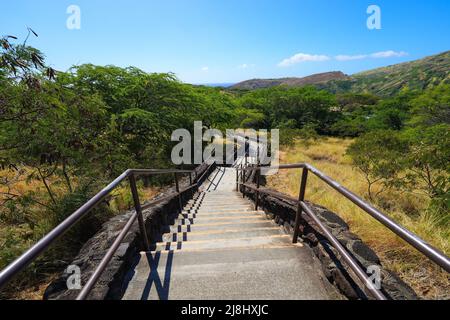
(22, 63)
(378, 155)
(71, 132)
(432, 107)
(428, 159)
(140, 128)
(414, 157)
(302, 107)
(350, 102)
(351, 125)
(364, 113)
(289, 134)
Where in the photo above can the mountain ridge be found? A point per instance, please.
(290, 81)
(384, 81)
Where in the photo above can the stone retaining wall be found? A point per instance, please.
(283, 212)
(112, 283)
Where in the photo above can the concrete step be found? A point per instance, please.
(221, 234)
(230, 252)
(227, 193)
(221, 192)
(205, 219)
(219, 202)
(231, 204)
(270, 273)
(256, 223)
(212, 210)
(263, 241)
(220, 209)
(225, 208)
(220, 214)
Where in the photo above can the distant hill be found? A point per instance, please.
(216, 85)
(292, 82)
(386, 81)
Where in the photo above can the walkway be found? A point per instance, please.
(221, 249)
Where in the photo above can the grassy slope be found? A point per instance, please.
(419, 74)
(296, 82)
(329, 156)
(387, 81)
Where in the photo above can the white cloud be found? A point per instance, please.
(349, 58)
(388, 54)
(302, 57)
(376, 55)
(246, 66)
(205, 69)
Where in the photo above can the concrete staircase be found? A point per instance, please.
(220, 248)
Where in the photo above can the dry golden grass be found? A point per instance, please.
(35, 292)
(121, 201)
(18, 185)
(328, 155)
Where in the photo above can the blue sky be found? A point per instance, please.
(215, 41)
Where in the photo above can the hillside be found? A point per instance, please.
(418, 74)
(386, 81)
(293, 82)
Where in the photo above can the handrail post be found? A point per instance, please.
(257, 154)
(301, 198)
(243, 182)
(258, 183)
(190, 184)
(137, 205)
(177, 186)
(237, 179)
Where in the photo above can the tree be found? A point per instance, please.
(428, 162)
(391, 113)
(22, 62)
(379, 156)
(350, 102)
(140, 129)
(305, 106)
(432, 107)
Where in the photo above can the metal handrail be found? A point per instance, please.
(423, 247)
(31, 254)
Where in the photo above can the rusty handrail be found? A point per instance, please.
(419, 244)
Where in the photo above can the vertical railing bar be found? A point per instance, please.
(137, 205)
(177, 186)
(191, 183)
(243, 184)
(237, 179)
(301, 198)
(258, 183)
(345, 255)
(106, 260)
